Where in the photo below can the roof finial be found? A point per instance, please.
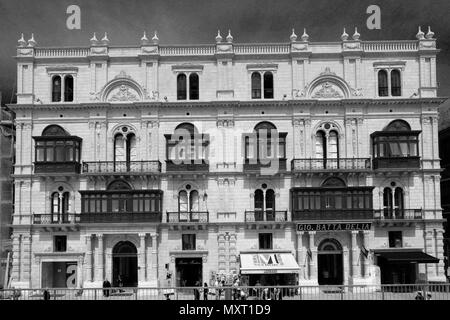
(105, 39)
(155, 38)
(420, 34)
(430, 34)
(32, 42)
(218, 37)
(305, 36)
(229, 37)
(22, 42)
(144, 39)
(356, 35)
(344, 36)
(293, 36)
(94, 40)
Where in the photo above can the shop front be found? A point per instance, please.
(400, 265)
(268, 269)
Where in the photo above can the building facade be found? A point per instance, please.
(297, 162)
(6, 192)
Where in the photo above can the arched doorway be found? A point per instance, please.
(125, 264)
(330, 263)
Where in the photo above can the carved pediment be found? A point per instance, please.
(123, 93)
(327, 90)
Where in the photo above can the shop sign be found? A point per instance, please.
(267, 260)
(333, 226)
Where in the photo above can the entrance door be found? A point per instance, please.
(59, 274)
(189, 271)
(329, 263)
(125, 264)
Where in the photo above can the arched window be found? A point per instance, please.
(181, 87)
(259, 200)
(60, 206)
(270, 200)
(387, 202)
(124, 150)
(321, 145)
(193, 86)
(398, 202)
(256, 85)
(333, 143)
(383, 83)
(119, 185)
(68, 88)
(194, 201)
(333, 182)
(396, 86)
(54, 130)
(56, 89)
(183, 201)
(268, 85)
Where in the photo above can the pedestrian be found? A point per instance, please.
(205, 291)
(46, 294)
(197, 291)
(217, 290)
(120, 282)
(266, 294)
(236, 290)
(428, 296)
(419, 296)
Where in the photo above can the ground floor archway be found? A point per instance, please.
(125, 264)
(330, 263)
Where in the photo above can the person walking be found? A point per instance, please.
(106, 284)
(46, 294)
(419, 296)
(197, 291)
(205, 291)
(120, 282)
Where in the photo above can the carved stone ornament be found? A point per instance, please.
(150, 49)
(123, 93)
(299, 47)
(95, 96)
(327, 91)
(357, 92)
(327, 72)
(25, 52)
(98, 50)
(224, 48)
(353, 45)
(427, 45)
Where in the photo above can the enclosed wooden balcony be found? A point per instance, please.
(332, 214)
(120, 217)
(396, 163)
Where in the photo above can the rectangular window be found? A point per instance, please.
(188, 241)
(60, 243)
(265, 241)
(395, 239)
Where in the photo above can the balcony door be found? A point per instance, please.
(189, 205)
(330, 263)
(60, 207)
(124, 151)
(264, 204)
(327, 148)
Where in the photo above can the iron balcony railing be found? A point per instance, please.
(409, 292)
(120, 217)
(331, 164)
(332, 214)
(398, 214)
(48, 218)
(267, 215)
(188, 216)
(153, 166)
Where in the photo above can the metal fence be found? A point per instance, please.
(380, 292)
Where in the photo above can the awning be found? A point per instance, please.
(262, 262)
(398, 256)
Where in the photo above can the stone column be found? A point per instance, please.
(142, 268)
(16, 261)
(300, 254)
(366, 244)
(80, 272)
(355, 255)
(313, 259)
(88, 266)
(99, 262)
(154, 269)
(26, 259)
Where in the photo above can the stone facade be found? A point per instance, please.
(315, 86)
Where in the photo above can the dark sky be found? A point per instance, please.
(197, 21)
